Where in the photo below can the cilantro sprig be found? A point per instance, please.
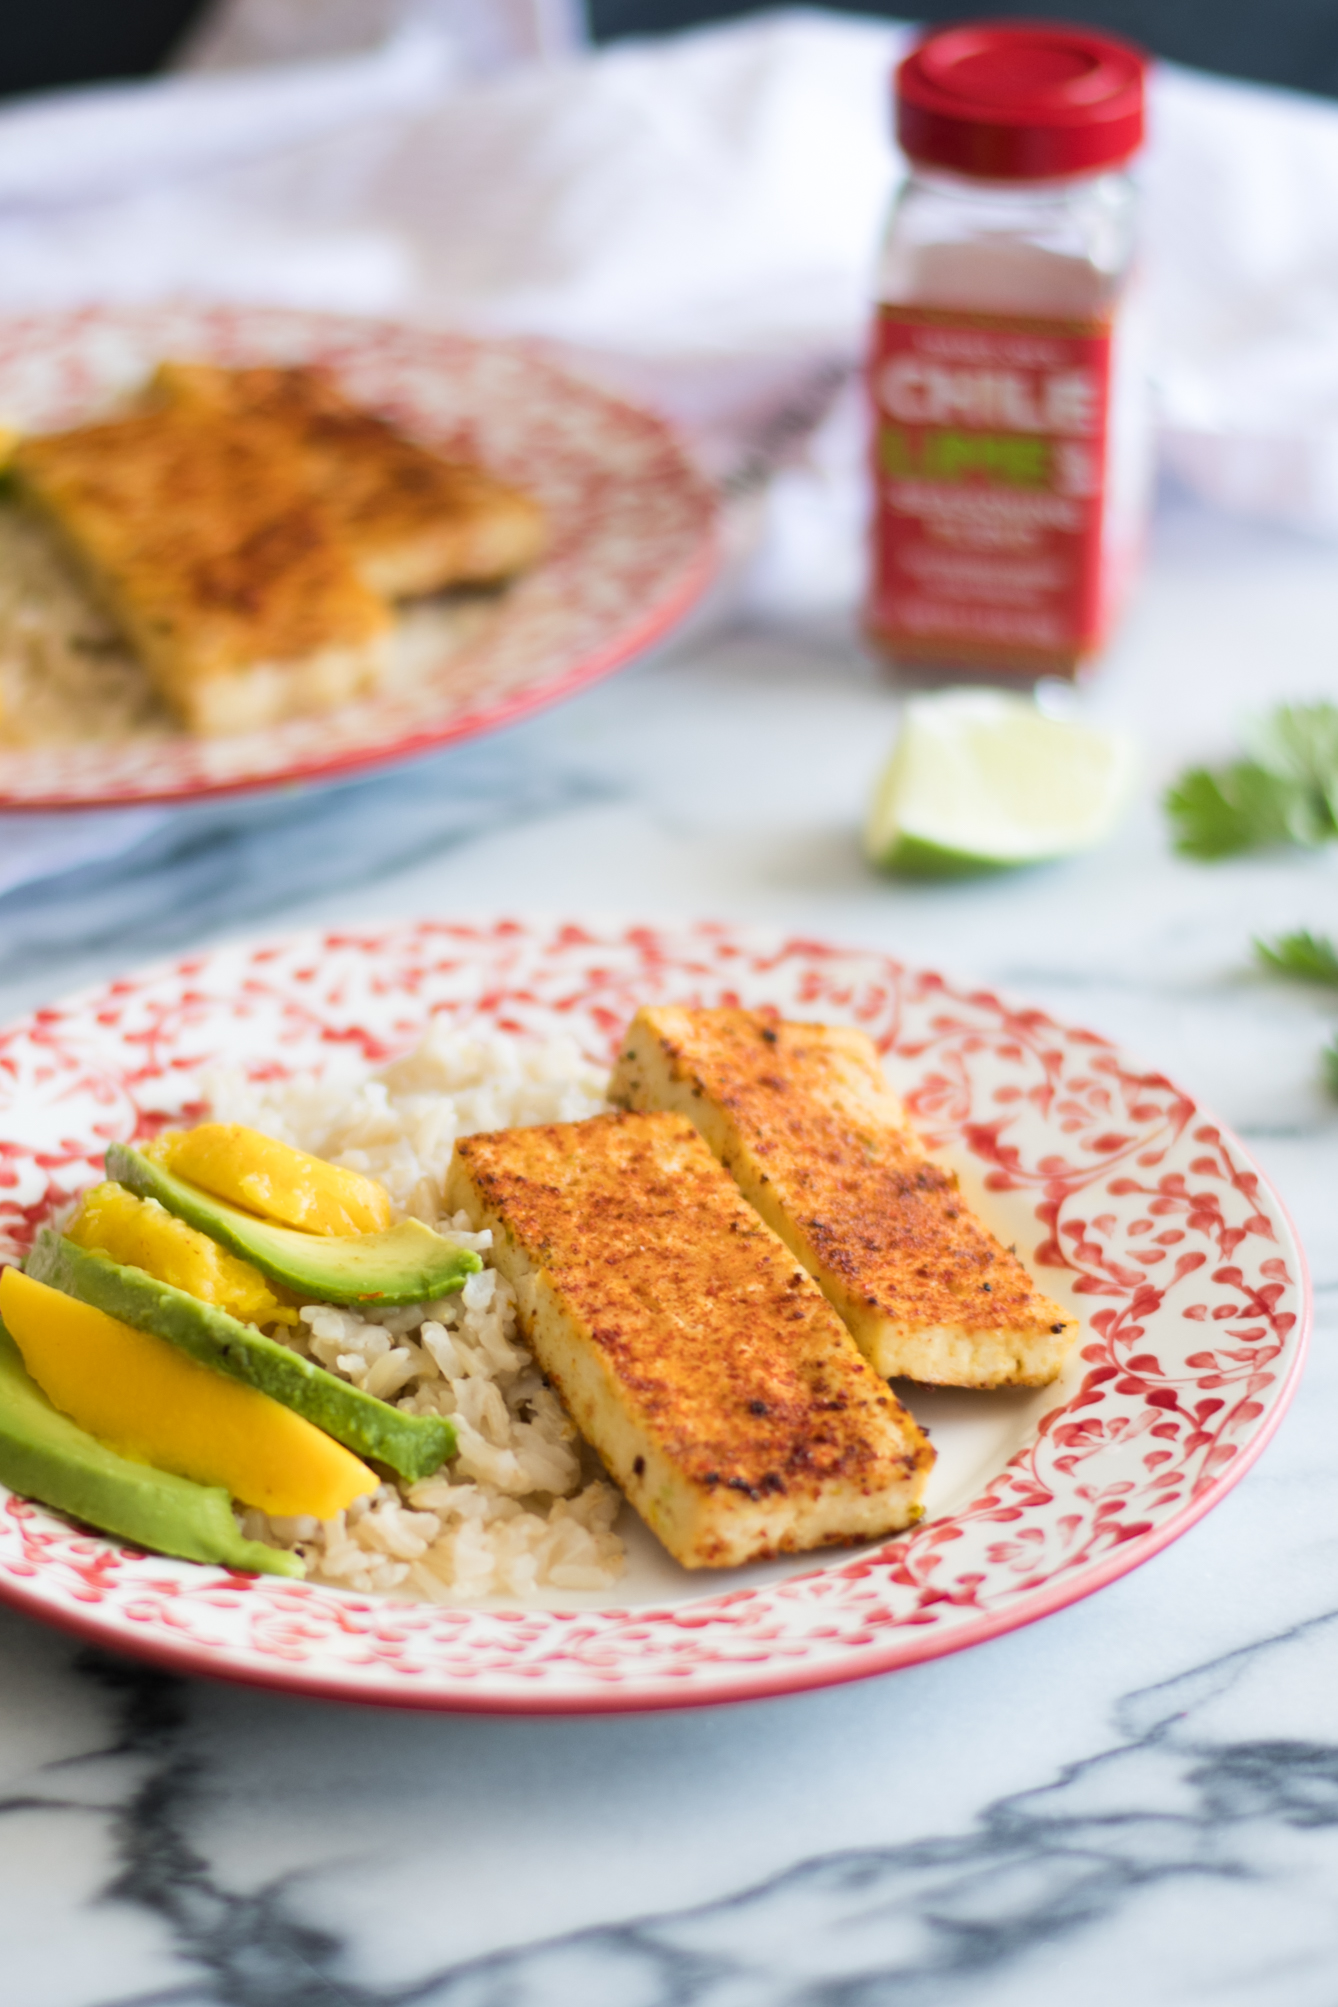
(1284, 791)
(1308, 958)
(1328, 1061)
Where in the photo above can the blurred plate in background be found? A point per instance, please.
(633, 539)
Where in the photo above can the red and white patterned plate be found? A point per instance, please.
(1127, 1200)
(632, 543)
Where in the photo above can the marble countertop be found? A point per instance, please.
(1136, 1796)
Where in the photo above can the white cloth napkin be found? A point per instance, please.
(1242, 223)
(720, 189)
(695, 218)
(719, 192)
(485, 35)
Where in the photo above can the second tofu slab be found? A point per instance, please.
(690, 1348)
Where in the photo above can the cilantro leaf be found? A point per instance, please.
(1300, 742)
(1286, 793)
(1311, 958)
(1235, 808)
(1329, 1063)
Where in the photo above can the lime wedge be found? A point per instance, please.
(981, 780)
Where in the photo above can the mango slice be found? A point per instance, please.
(413, 1445)
(150, 1402)
(140, 1233)
(408, 1263)
(43, 1455)
(272, 1179)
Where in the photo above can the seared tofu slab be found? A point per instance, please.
(209, 552)
(687, 1344)
(414, 521)
(803, 1118)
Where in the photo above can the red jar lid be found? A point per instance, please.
(1021, 100)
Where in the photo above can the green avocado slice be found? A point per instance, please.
(44, 1455)
(412, 1445)
(408, 1263)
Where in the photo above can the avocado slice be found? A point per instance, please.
(44, 1455)
(412, 1445)
(408, 1263)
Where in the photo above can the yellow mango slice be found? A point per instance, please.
(139, 1233)
(155, 1404)
(272, 1179)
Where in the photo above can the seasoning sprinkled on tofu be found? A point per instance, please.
(222, 570)
(803, 1118)
(687, 1344)
(414, 520)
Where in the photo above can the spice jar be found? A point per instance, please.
(1012, 444)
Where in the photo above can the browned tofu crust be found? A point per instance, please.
(415, 521)
(688, 1345)
(208, 549)
(803, 1117)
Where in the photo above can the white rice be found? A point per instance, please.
(520, 1508)
(65, 674)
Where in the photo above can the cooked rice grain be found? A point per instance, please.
(520, 1508)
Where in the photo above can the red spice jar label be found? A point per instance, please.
(990, 450)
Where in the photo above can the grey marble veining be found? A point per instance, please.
(1137, 1797)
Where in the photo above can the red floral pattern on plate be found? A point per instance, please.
(1153, 1221)
(632, 532)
